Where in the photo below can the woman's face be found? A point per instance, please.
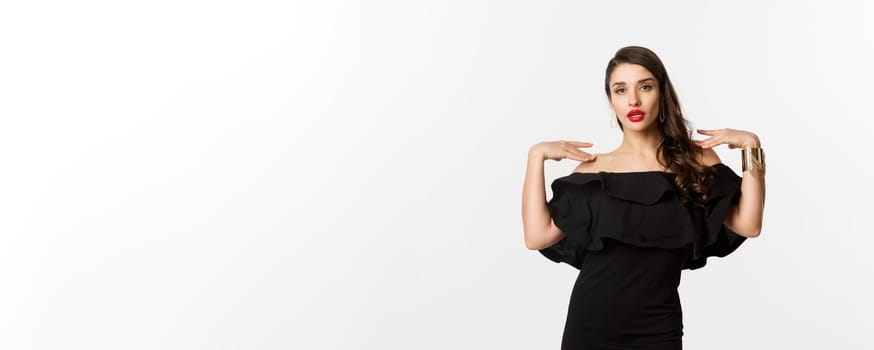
(634, 96)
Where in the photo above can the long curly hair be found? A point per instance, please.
(678, 152)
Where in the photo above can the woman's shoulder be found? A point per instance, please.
(709, 157)
(603, 163)
(608, 162)
(619, 163)
(596, 166)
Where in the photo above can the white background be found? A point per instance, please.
(348, 175)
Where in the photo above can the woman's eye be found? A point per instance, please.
(620, 90)
(646, 87)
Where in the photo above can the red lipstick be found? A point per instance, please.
(635, 115)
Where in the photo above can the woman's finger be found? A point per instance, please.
(730, 137)
(589, 158)
(574, 157)
(582, 156)
(585, 157)
(580, 144)
(711, 142)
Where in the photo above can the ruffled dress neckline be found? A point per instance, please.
(644, 209)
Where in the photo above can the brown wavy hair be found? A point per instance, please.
(678, 152)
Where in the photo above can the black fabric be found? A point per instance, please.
(630, 234)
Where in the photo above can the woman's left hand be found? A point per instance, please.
(731, 137)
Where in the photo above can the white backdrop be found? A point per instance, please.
(348, 175)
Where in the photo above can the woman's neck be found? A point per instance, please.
(641, 143)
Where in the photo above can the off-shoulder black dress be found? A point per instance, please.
(630, 234)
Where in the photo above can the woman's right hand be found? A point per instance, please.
(558, 150)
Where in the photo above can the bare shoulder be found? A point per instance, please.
(596, 166)
(709, 157)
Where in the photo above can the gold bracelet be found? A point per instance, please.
(753, 159)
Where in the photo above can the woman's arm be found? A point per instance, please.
(744, 219)
(540, 231)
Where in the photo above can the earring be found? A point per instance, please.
(661, 117)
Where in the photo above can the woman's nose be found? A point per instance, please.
(633, 99)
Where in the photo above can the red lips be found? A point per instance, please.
(635, 115)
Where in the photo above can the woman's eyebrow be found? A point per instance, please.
(639, 81)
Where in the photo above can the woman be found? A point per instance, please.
(633, 218)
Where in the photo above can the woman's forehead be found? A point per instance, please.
(629, 73)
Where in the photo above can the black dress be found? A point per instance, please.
(630, 234)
